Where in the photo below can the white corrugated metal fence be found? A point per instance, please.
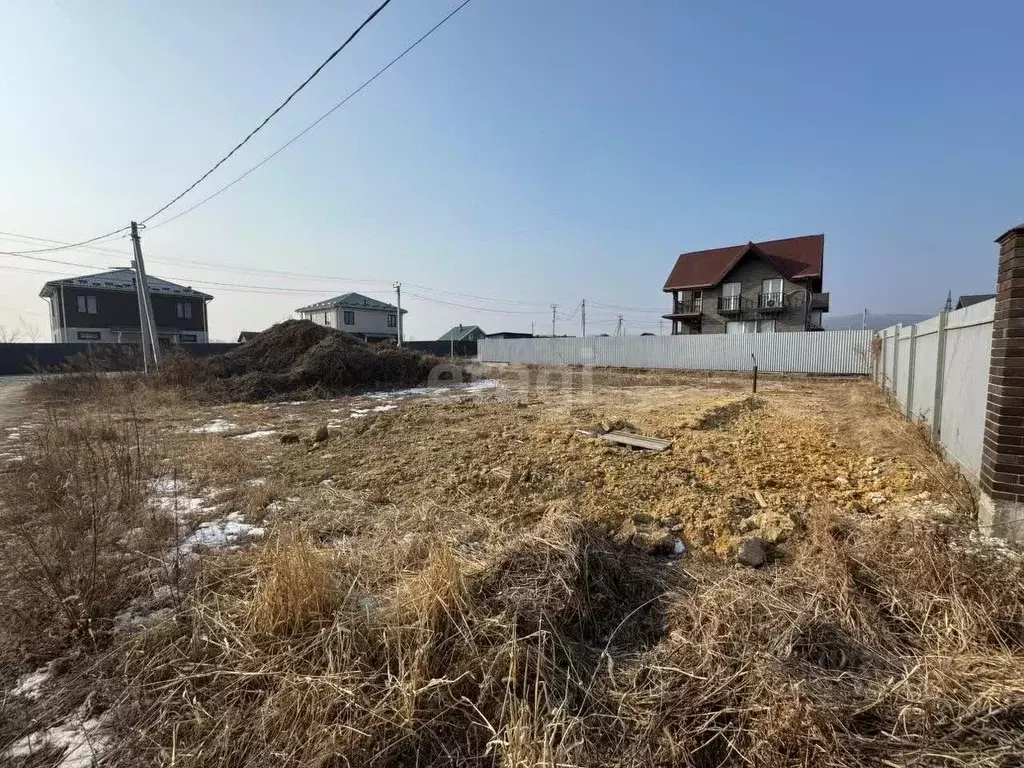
(829, 352)
(938, 372)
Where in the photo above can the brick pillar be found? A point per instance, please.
(1001, 511)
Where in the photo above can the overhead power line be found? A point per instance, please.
(79, 244)
(269, 117)
(308, 128)
(490, 310)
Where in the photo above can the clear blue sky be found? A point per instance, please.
(535, 151)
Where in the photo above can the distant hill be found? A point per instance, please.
(875, 322)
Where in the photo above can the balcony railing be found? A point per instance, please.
(688, 307)
(730, 305)
(819, 301)
(771, 302)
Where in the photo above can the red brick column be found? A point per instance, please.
(1002, 461)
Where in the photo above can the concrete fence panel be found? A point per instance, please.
(831, 352)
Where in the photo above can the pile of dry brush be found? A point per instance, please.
(298, 358)
(899, 644)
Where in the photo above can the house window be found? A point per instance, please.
(187, 338)
(350, 317)
(750, 326)
(185, 310)
(88, 335)
(87, 305)
(392, 321)
(771, 292)
(731, 296)
(698, 301)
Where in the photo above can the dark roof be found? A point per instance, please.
(122, 280)
(509, 335)
(351, 301)
(248, 335)
(794, 257)
(460, 332)
(973, 298)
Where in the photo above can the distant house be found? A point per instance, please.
(247, 336)
(973, 298)
(105, 307)
(751, 288)
(508, 335)
(356, 314)
(464, 333)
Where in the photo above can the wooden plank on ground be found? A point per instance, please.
(637, 441)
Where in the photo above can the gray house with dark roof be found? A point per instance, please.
(105, 307)
(970, 299)
(464, 333)
(354, 313)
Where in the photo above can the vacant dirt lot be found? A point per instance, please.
(740, 464)
(471, 576)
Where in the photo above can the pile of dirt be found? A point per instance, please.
(298, 358)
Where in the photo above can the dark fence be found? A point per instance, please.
(29, 358)
(443, 348)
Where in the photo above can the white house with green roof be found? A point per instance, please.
(356, 314)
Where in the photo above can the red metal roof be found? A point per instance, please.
(794, 257)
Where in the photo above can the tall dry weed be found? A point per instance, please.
(75, 530)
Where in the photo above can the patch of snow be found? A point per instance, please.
(256, 435)
(388, 407)
(482, 384)
(167, 486)
(327, 481)
(355, 415)
(398, 394)
(80, 739)
(220, 533)
(257, 481)
(172, 496)
(678, 548)
(217, 425)
(30, 685)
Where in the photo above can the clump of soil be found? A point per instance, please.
(298, 358)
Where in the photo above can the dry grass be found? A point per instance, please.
(456, 597)
(882, 644)
(75, 527)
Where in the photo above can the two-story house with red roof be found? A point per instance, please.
(765, 287)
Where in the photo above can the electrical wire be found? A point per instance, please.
(79, 244)
(312, 125)
(269, 117)
(475, 309)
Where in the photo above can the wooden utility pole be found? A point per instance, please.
(618, 327)
(398, 291)
(554, 307)
(583, 317)
(148, 325)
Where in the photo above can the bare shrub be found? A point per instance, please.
(74, 524)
